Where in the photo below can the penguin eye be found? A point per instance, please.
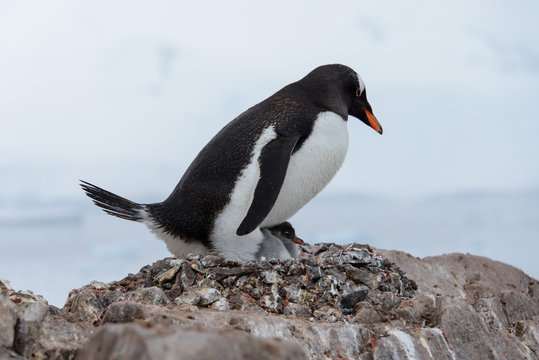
(358, 91)
(287, 234)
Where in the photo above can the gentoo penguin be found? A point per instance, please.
(280, 242)
(258, 171)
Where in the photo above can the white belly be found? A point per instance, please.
(223, 236)
(312, 167)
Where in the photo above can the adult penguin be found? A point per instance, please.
(258, 171)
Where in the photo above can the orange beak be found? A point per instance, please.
(373, 122)
(297, 240)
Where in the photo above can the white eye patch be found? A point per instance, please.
(361, 84)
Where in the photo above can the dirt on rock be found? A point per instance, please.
(333, 302)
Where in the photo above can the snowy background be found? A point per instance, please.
(124, 94)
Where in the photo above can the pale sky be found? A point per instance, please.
(125, 93)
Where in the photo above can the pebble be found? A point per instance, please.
(271, 277)
(208, 296)
(326, 281)
(221, 304)
(351, 297)
(168, 275)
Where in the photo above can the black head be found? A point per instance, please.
(286, 230)
(340, 89)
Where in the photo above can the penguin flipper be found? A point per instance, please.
(273, 162)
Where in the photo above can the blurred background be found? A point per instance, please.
(124, 94)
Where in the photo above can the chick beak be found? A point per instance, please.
(297, 240)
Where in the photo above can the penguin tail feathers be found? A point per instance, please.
(113, 204)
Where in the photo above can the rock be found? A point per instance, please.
(43, 332)
(11, 355)
(221, 304)
(470, 336)
(527, 332)
(5, 287)
(271, 277)
(86, 304)
(470, 307)
(210, 261)
(242, 301)
(366, 313)
(220, 273)
(317, 338)
(208, 296)
(28, 327)
(8, 319)
(187, 276)
(169, 275)
(173, 342)
(191, 297)
(151, 295)
(351, 297)
(297, 310)
(123, 312)
(202, 296)
(334, 301)
(362, 277)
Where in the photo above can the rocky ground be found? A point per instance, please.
(334, 302)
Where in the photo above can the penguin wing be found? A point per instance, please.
(273, 162)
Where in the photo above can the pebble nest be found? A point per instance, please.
(326, 282)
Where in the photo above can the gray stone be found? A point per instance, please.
(327, 313)
(362, 276)
(5, 287)
(169, 275)
(208, 296)
(8, 319)
(187, 276)
(28, 329)
(151, 295)
(209, 261)
(40, 335)
(297, 310)
(351, 297)
(176, 262)
(271, 277)
(202, 296)
(527, 331)
(221, 304)
(85, 303)
(293, 293)
(220, 273)
(173, 342)
(124, 312)
(6, 354)
(191, 297)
